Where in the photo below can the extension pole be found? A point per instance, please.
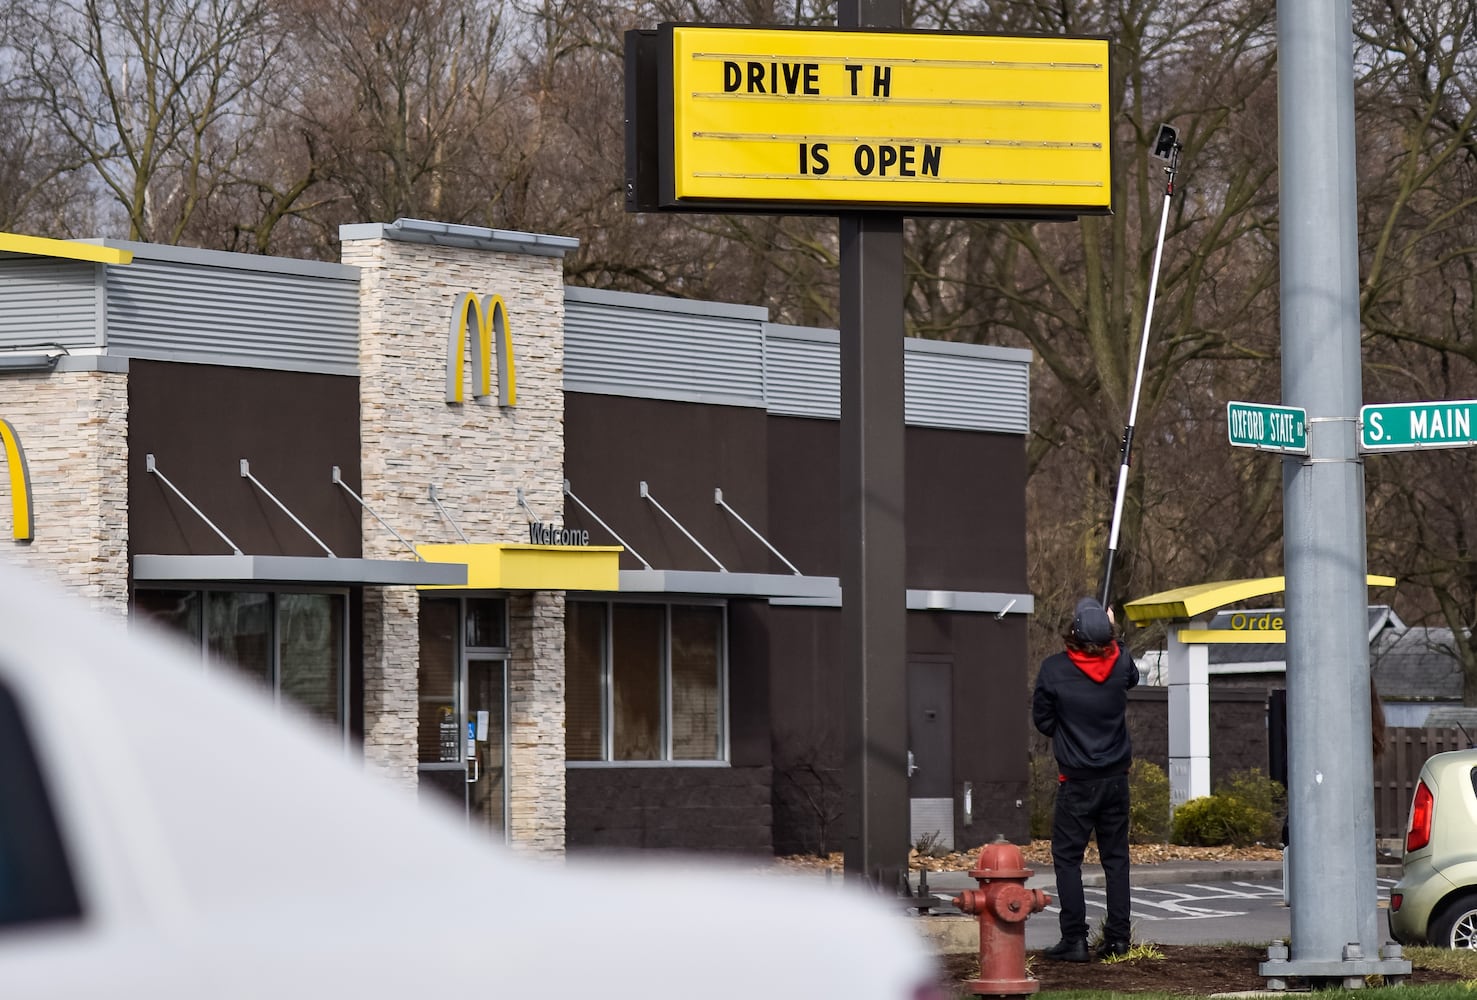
(1138, 379)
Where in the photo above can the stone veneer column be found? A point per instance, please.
(478, 455)
(536, 721)
(73, 427)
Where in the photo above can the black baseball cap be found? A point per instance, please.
(1090, 623)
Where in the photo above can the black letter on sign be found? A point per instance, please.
(931, 160)
(865, 160)
(886, 157)
(881, 81)
(756, 78)
(733, 77)
(812, 78)
(853, 70)
(813, 158)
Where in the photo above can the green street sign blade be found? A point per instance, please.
(1269, 428)
(1411, 426)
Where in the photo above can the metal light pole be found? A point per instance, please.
(1329, 758)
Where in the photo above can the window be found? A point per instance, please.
(290, 642)
(644, 682)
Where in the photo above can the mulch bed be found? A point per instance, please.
(1190, 970)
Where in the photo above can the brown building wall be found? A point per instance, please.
(682, 451)
(199, 421)
(965, 531)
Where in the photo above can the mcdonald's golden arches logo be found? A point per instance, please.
(488, 317)
(21, 525)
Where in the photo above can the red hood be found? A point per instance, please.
(1097, 667)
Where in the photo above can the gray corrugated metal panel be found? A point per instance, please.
(802, 372)
(967, 391)
(665, 303)
(234, 261)
(955, 386)
(454, 235)
(181, 311)
(1019, 355)
(663, 354)
(47, 301)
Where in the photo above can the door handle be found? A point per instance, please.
(911, 765)
(473, 779)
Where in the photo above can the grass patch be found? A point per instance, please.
(1458, 963)
(1146, 950)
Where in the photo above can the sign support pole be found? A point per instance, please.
(1329, 757)
(874, 598)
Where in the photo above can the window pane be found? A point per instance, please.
(239, 631)
(487, 622)
(311, 649)
(440, 738)
(584, 647)
(697, 645)
(636, 680)
(176, 610)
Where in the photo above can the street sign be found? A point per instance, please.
(1270, 428)
(1410, 426)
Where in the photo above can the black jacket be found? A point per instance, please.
(1087, 720)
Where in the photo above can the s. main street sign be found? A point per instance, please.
(1410, 426)
(1270, 428)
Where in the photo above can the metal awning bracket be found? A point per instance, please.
(246, 474)
(718, 499)
(338, 477)
(436, 499)
(532, 517)
(152, 467)
(645, 492)
(570, 493)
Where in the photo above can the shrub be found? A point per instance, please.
(1148, 796)
(1261, 793)
(1216, 820)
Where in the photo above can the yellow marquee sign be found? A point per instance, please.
(923, 120)
(482, 324)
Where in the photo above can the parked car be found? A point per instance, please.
(1435, 900)
(165, 833)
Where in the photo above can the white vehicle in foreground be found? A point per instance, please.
(164, 833)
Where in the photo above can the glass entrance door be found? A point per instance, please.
(463, 705)
(487, 771)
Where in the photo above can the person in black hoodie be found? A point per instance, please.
(1081, 702)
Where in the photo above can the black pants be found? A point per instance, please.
(1083, 807)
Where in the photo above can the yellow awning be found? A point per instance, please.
(1219, 635)
(40, 246)
(520, 566)
(1197, 599)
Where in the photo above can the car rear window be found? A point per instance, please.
(36, 882)
(1472, 774)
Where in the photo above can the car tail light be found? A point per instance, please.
(1396, 899)
(1418, 832)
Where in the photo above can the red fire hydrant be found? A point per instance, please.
(1003, 903)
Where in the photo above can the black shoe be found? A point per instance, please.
(1068, 950)
(1113, 949)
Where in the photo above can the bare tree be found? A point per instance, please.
(149, 94)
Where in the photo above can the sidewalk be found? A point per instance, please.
(1162, 873)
